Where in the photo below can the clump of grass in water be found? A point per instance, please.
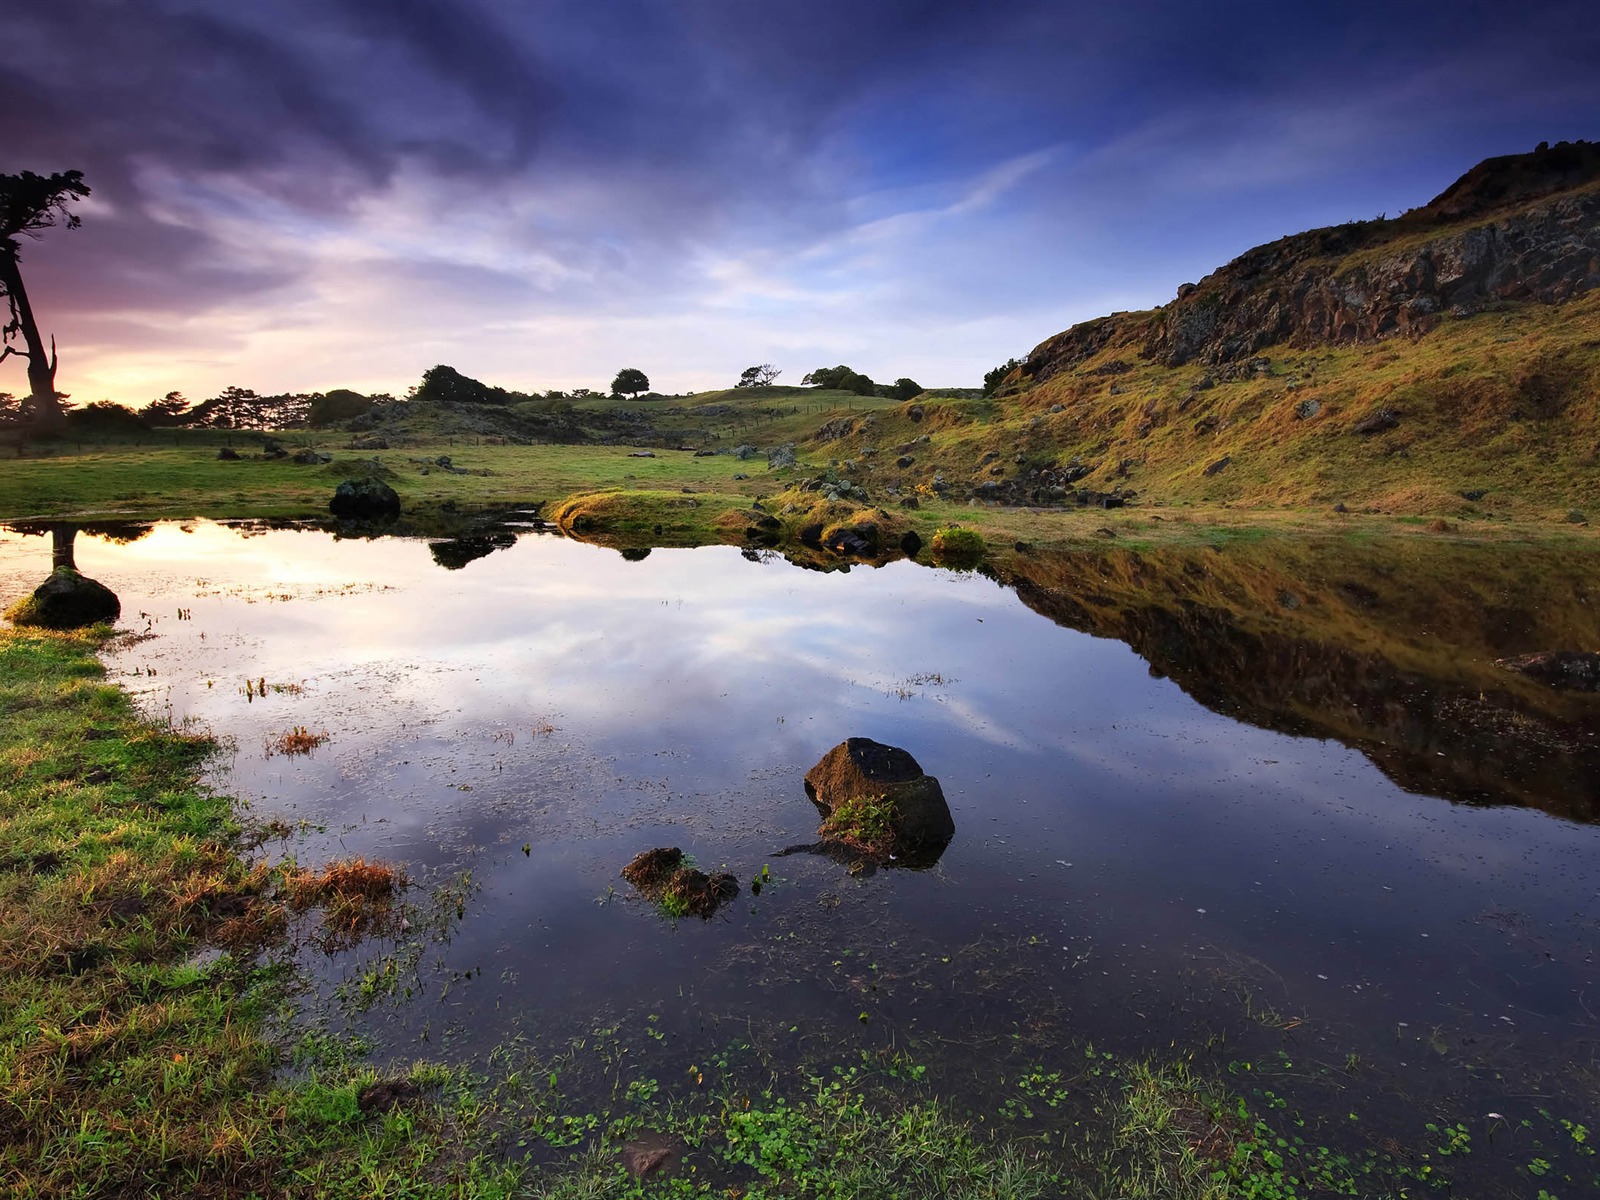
(864, 823)
(356, 896)
(954, 546)
(298, 740)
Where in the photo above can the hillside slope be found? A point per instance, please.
(1447, 361)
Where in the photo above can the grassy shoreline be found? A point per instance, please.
(148, 1044)
(673, 498)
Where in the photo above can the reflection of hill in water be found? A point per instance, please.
(1388, 648)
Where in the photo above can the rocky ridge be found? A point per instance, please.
(1519, 228)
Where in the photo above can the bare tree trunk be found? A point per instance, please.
(48, 415)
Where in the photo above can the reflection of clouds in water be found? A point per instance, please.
(689, 693)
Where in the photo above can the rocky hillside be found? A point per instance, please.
(1521, 228)
(1444, 362)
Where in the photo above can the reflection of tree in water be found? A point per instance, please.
(636, 553)
(456, 553)
(67, 599)
(119, 533)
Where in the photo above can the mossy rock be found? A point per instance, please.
(877, 800)
(954, 546)
(67, 600)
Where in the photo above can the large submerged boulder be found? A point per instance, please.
(877, 800)
(66, 600)
(364, 498)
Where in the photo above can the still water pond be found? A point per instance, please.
(1130, 868)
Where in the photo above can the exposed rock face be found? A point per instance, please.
(877, 800)
(364, 498)
(67, 600)
(1525, 227)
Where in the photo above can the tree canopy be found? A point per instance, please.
(994, 378)
(630, 381)
(761, 376)
(29, 204)
(842, 379)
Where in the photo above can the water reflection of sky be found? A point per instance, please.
(555, 695)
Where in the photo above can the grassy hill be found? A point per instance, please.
(1446, 361)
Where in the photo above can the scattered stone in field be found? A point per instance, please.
(705, 453)
(1307, 409)
(1340, 507)
(364, 498)
(911, 543)
(915, 412)
(745, 451)
(1473, 494)
(1574, 517)
(308, 457)
(910, 502)
(781, 456)
(1219, 465)
(741, 475)
(1378, 422)
(1057, 408)
(228, 454)
(1105, 532)
(369, 443)
(642, 454)
(1565, 670)
(904, 461)
(876, 800)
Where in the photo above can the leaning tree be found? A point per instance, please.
(30, 203)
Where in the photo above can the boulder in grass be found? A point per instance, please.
(878, 801)
(67, 600)
(364, 498)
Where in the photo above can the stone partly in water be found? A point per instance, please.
(67, 600)
(364, 498)
(877, 800)
(1566, 670)
(662, 878)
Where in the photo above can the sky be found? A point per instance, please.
(298, 196)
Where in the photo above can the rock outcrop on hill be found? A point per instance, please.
(1520, 228)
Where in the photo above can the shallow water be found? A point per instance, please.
(1130, 867)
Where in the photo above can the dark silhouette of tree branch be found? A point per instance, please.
(29, 204)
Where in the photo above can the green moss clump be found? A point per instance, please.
(954, 546)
